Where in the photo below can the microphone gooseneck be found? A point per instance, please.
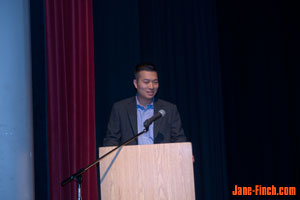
(155, 117)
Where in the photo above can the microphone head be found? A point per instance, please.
(162, 112)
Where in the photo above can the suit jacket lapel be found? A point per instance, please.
(157, 107)
(132, 115)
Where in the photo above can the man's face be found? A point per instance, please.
(146, 85)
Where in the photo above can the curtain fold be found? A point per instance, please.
(71, 105)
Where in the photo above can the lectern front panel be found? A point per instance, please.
(148, 172)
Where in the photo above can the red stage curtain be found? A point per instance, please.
(71, 102)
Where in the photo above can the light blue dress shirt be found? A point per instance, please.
(142, 115)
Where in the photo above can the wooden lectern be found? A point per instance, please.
(148, 172)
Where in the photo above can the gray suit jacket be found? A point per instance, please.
(122, 124)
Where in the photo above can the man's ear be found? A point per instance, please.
(135, 83)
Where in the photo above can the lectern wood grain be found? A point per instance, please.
(148, 172)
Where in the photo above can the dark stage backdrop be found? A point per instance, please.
(40, 114)
(181, 38)
(259, 48)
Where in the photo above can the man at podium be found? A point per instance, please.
(127, 116)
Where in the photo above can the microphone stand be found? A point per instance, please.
(78, 175)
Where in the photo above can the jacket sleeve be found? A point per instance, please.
(113, 134)
(177, 133)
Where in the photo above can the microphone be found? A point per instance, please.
(155, 117)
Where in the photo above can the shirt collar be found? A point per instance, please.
(138, 106)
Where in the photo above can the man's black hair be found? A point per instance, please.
(144, 67)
